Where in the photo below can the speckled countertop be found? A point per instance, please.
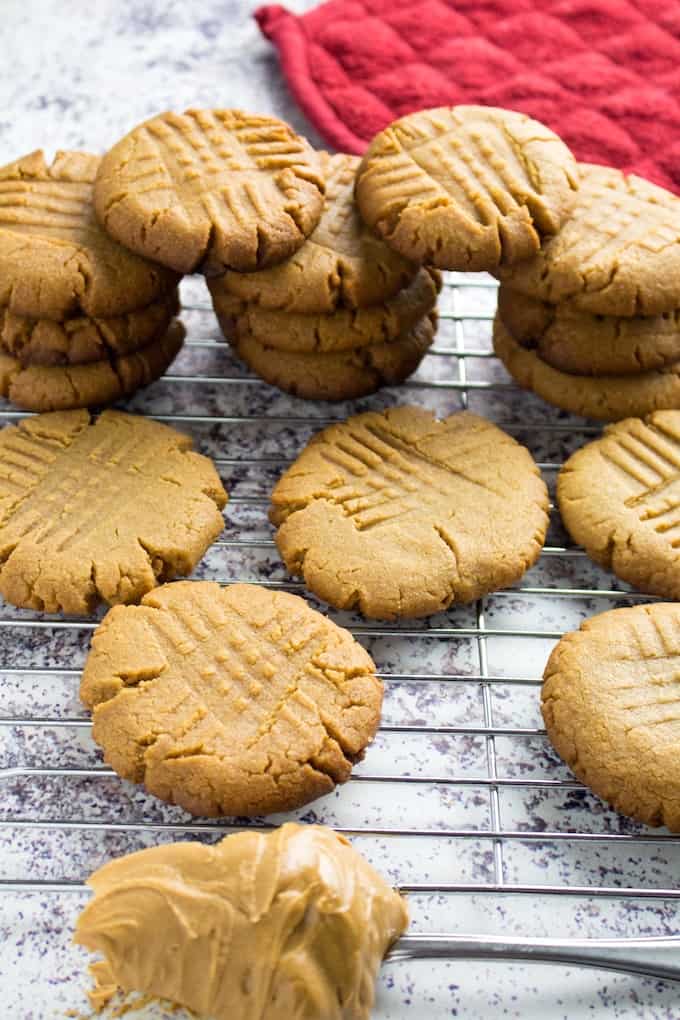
(80, 75)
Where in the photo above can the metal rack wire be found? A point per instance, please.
(582, 853)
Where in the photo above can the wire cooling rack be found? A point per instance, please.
(460, 800)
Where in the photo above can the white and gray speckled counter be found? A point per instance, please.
(81, 75)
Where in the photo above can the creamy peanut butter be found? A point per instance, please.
(292, 924)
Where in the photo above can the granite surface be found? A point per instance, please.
(81, 75)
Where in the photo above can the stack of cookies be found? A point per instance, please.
(82, 321)
(591, 322)
(343, 316)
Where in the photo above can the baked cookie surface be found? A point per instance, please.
(343, 375)
(230, 701)
(269, 909)
(100, 509)
(606, 397)
(586, 344)
(64, 387)
(466, 187)
(344, 329)
(610, 709)
(619, 498)
(400, 514)
(617, 254)
(80, 340)
(342, 265)
(210, 190)
(55, 259)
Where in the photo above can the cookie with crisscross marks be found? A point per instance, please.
(619, 498)
(100, 508)
(618, 254)
(466, 187)
(400, 514)
(211, 190)
(611, 707)
(55, 259)
(231, 700)
(343, 264)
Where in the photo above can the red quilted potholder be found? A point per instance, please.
(604, 74)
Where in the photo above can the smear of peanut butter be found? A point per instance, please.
(289, 925)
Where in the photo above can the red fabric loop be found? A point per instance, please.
(604, 74)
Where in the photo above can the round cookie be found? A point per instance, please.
(211, 190)
(466, 187)
(231, 700)
(343, 330)
(586, 344)
(80, 340)
(55, 259)
(618, 254)
(619, 498)
(606, 397)
(400, 514)
(294, 915)
(100, 508)
(345, 375)
(64, 387)
(342, 265)
(610, 709)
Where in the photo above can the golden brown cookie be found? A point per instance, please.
(342, 265)
(100, 508)
(344, 375)
(618, 254)
(343, 330)
(211, 190)
(292, 916)
(80, 340)
(466, 187)
(55, 259)
(606, 397)
(610, 708)
(586, 344)
(400, 514)
(64, 387)
(619, 498)
(230, 701)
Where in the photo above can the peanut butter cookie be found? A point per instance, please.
(100, 508)
(64, 387)
(466, 187)
(80, 340)
(55, 259)
(344, 375)
(619, 498)
(586, 344)
(342, 330)
(271, 910)
(211, 190)
(400, 515)
(618, 254)
(606, 397)
(342, 265)
(229, 701)
(611, 709)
